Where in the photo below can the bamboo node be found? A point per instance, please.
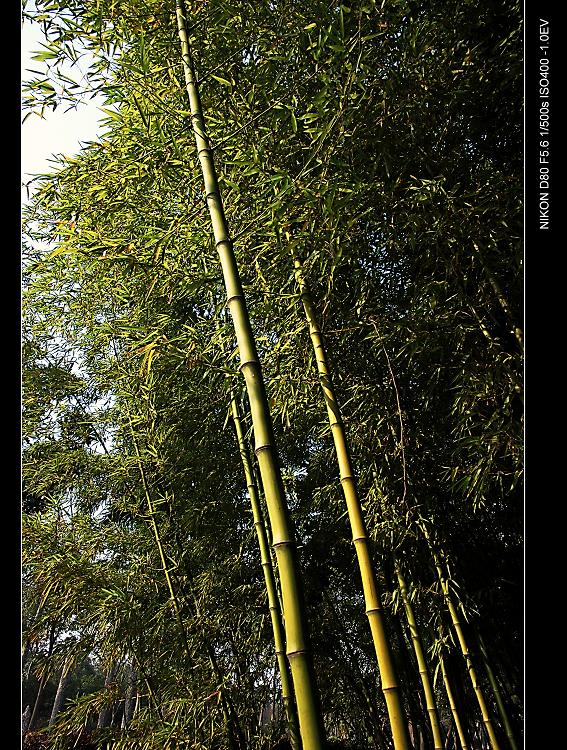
(233, 297)
(374, 610)
(298, 652)
(247, 361)
(284, 543)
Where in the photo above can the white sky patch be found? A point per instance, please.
(60, 131)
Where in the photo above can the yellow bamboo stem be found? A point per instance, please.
(421, 663)
(266, 562)
(457, 626)
(388, 678)
(497, 696)
(453, 706)
(298, 649)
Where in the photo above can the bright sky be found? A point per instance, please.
(60, 132)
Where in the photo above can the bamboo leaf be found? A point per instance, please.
(221, 80)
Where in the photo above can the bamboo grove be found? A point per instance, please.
(272, 378)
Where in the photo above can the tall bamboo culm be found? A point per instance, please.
(388, 678)
(422, 525)
(430, 702)
(266, 561)
(453, 705)
(298, 649)
(458, 628)
(497, 695)
(234, 731)
(63, 681)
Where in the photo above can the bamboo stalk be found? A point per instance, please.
(453, 706)
(152, 697)
(38, 697)
(298, 650)
(497, 695)
(388, 677)
(457, 626)
(58, 702)
(266, 562)
(421, 663)
(42, 682)
(236, 738)
(421, 524)
(266, 522)
(106, 712)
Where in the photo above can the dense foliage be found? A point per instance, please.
(381, 143)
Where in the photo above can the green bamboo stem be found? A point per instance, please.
(421, 663)
(265, 520)
(266, 562)
(497, 695)
(388, 678)
(457, 626)
(159, 544)
(63, 681)
(298, 650)
(236, 739)
(421, 524)
(271, 550)
(43, 680)
(453, 706)
(152, 699)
